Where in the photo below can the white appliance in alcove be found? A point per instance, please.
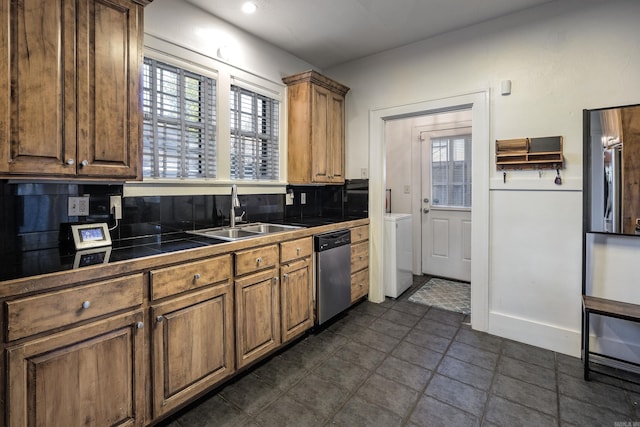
(398, 254)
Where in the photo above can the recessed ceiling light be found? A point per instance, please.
(249, 7)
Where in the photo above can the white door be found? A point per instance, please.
(446, 203)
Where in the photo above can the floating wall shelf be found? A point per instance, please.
(529, 153)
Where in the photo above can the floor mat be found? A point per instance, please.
(446, 294)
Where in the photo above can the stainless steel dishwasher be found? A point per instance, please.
(333, 273)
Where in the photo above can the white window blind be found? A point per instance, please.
(179, 125)
(451, 171)
(254, 135)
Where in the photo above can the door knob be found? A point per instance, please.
(425, 210)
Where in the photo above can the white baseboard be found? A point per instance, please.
(550, 337)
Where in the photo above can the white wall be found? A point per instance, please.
(188, 26)
(562, 57)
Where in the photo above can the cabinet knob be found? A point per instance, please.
(139, 325)
(297, 251)
(159, 319)
(196, 276)
(285, 276)
(86, 304)
(258, 260)
(84, 163)
(70, 162)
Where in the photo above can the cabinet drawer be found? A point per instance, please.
(359, 234)
(39, 313)
(295, 249)
(359, 284)
(359, 256)
(256, 259)
(193, 275)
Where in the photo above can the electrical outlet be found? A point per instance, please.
(364, 173)
(78, 206)
(407, 189)
(303, 198)
(115, 206)
(288, 198)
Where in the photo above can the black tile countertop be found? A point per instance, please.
(18, 265)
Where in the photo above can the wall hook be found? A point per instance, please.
(558, 179)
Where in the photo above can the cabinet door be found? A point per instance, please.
(320, 144)
(335, 156)
(296, 296)
(38, 118)
(327, 136)
(192, 345)
(109, 56)
(88, 376)
(257, 316)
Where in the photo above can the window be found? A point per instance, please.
(254, 135)
(179, 124)
(451, 171)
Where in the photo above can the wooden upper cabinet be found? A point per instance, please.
(316, 129)
(69, 82)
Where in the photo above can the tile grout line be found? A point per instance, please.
(555, 366)
(434, 371)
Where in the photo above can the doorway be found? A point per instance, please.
(477, 103)
(445, 211)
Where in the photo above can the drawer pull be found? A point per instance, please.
(159, 319)
(196, 276)
(258, 260)
(86, 304)
(360, 257)
(139, 325)
(297, 251)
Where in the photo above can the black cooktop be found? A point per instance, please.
(16, 265)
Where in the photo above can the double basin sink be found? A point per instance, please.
(244, 231)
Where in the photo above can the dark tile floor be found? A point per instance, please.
(404, 364)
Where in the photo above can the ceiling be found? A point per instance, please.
(330, 32)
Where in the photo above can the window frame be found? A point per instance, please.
(180, 122)
(224, 74)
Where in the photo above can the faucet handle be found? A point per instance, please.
(239, 218)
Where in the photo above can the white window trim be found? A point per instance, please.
(225, 75)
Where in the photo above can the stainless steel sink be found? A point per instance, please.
(246, 231)
(267, 228)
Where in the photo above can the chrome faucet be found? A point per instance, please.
(235, 203)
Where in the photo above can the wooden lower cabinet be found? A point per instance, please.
(193, 345)
(90, 375)
(257, 316)
(296, 298)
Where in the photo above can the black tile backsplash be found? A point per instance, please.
(31, 213)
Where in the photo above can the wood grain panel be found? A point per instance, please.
(257, 316)
(295, 249)
(296, 298)
(359, 284)
(41, 119)
(251, 260)
(359, 256)
(109, 113)
(193, 345)
(90, 375)
(193, 275)
(360, 233)
(32, 315)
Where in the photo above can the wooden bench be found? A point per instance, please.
(608, 308)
